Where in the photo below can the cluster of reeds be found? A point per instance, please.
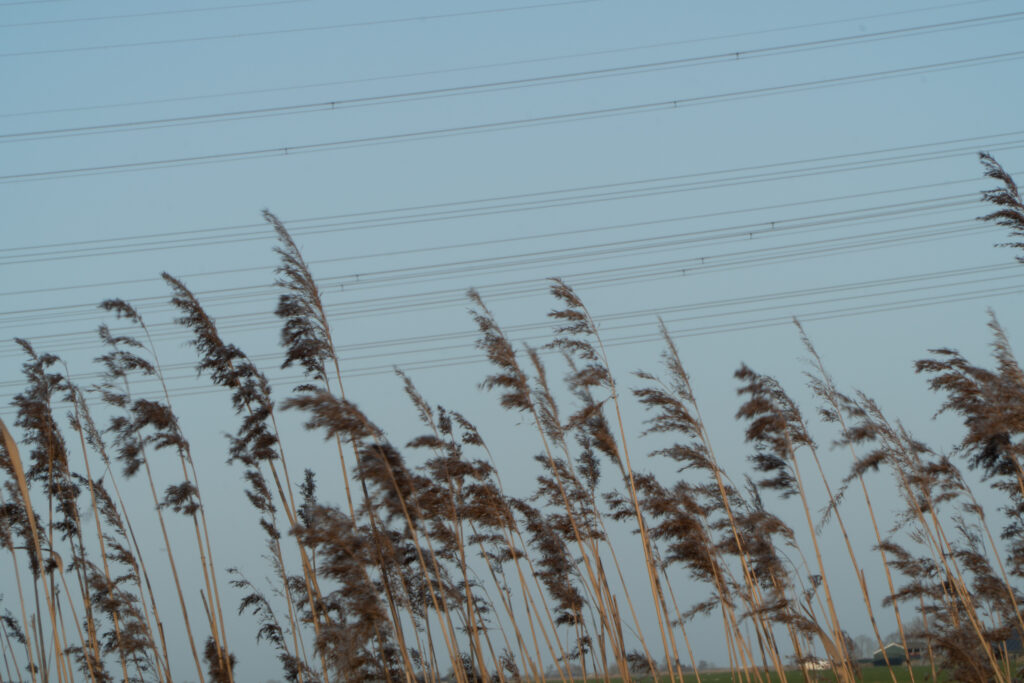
(427, 566)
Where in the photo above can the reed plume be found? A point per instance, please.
(436, 566)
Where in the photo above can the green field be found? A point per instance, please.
(868, 674)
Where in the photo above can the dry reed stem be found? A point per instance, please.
(170, 553)
(21, 597)
(160, 634)
(78, 402)
(26, 502)
(221, 361)
(427, 416)
(501, 353)
(308, 336)
(675, 364)
(587, 325)
(823, 386)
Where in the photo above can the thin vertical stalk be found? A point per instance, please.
(19, 474)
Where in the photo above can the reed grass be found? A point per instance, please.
(417, 562)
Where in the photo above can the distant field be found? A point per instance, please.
(869, 674)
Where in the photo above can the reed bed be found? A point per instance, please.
(414, 562)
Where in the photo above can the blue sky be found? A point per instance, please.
(725, 166)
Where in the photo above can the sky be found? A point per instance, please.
(723, 166)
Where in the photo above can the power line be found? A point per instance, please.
(494, 86)
(57, 253)
(840, 292)
(601, 278)
(756, 305)
(27, 2)
(654, 336)
(518, 62)
(509, 124)
(389, 305)
(160, 13)
(563, 233)
(780, 226)
(285, 31)
(375, 349)
(359, 219)
(743, 258)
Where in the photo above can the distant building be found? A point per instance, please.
(894, 652)
(1013, 645)
(915, 652)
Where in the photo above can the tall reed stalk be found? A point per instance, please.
(431, 564)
